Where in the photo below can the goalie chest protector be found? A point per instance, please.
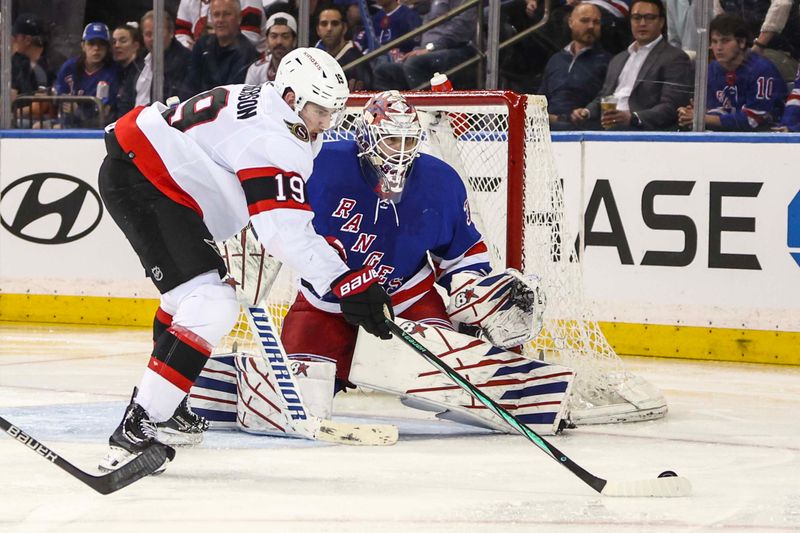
(394, 239)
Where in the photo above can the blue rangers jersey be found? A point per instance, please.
(791, 117)
(390, 26)
(749, 98)
(426, 238)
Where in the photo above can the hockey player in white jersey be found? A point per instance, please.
(384, 203)
(175, 180)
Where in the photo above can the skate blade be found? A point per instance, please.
(172, 437)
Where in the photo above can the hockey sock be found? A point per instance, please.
(161, 322)
(178, 357)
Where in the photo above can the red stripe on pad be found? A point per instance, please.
(210, 399)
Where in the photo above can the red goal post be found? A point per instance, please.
(515, 105)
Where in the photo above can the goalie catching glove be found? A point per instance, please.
(363, 301)
(506, 307)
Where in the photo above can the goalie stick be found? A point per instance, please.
(672, 486)
(143, 465)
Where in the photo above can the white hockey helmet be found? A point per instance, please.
(314, 76)
(389, 136)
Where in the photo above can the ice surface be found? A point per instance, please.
(732, 430)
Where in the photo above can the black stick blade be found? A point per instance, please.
(143, 465)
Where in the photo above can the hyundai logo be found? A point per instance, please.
(50, 208)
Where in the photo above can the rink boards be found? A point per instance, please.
(692, 241)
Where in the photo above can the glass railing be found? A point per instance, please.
(561, 58)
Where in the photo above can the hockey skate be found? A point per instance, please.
(134, 435)
(185, 428)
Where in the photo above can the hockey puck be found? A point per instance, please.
(668, 473)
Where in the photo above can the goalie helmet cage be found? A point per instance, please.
(499, 143)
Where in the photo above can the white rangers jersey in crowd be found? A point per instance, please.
(192, 20)
(233, 154)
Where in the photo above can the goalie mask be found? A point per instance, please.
(388, 136)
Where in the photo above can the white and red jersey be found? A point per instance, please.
(192, 20)
(234, 154)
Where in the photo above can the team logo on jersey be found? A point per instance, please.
(298, 130)
(158, 275)
(27, 203)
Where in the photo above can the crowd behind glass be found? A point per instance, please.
(602, 64)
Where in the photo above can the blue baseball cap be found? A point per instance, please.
(96, 30)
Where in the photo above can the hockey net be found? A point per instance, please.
(499, 143)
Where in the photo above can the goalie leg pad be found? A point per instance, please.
(534, 391)
(214, 394)
(261, 408)
(332, 336)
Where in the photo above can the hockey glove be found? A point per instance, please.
(363, 301)
(507, 307)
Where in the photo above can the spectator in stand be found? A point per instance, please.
(745, 90)
(522, 64)
(615, 30)
(777, 25)
(27, 44)
(281, 39)
(443, 47)
(791, 115)
(93, 73)
(650, 80)
(128, 53)
(192, 22)
(575, 75)
(681, 27)
(220, 58)
(176, 60)
(29, 75)
(391, 21)
(331, 28)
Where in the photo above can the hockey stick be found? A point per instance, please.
(304, 423)
(143, 465)
(256, 275)
(661, 486)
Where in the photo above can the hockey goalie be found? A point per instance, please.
(403, 217)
